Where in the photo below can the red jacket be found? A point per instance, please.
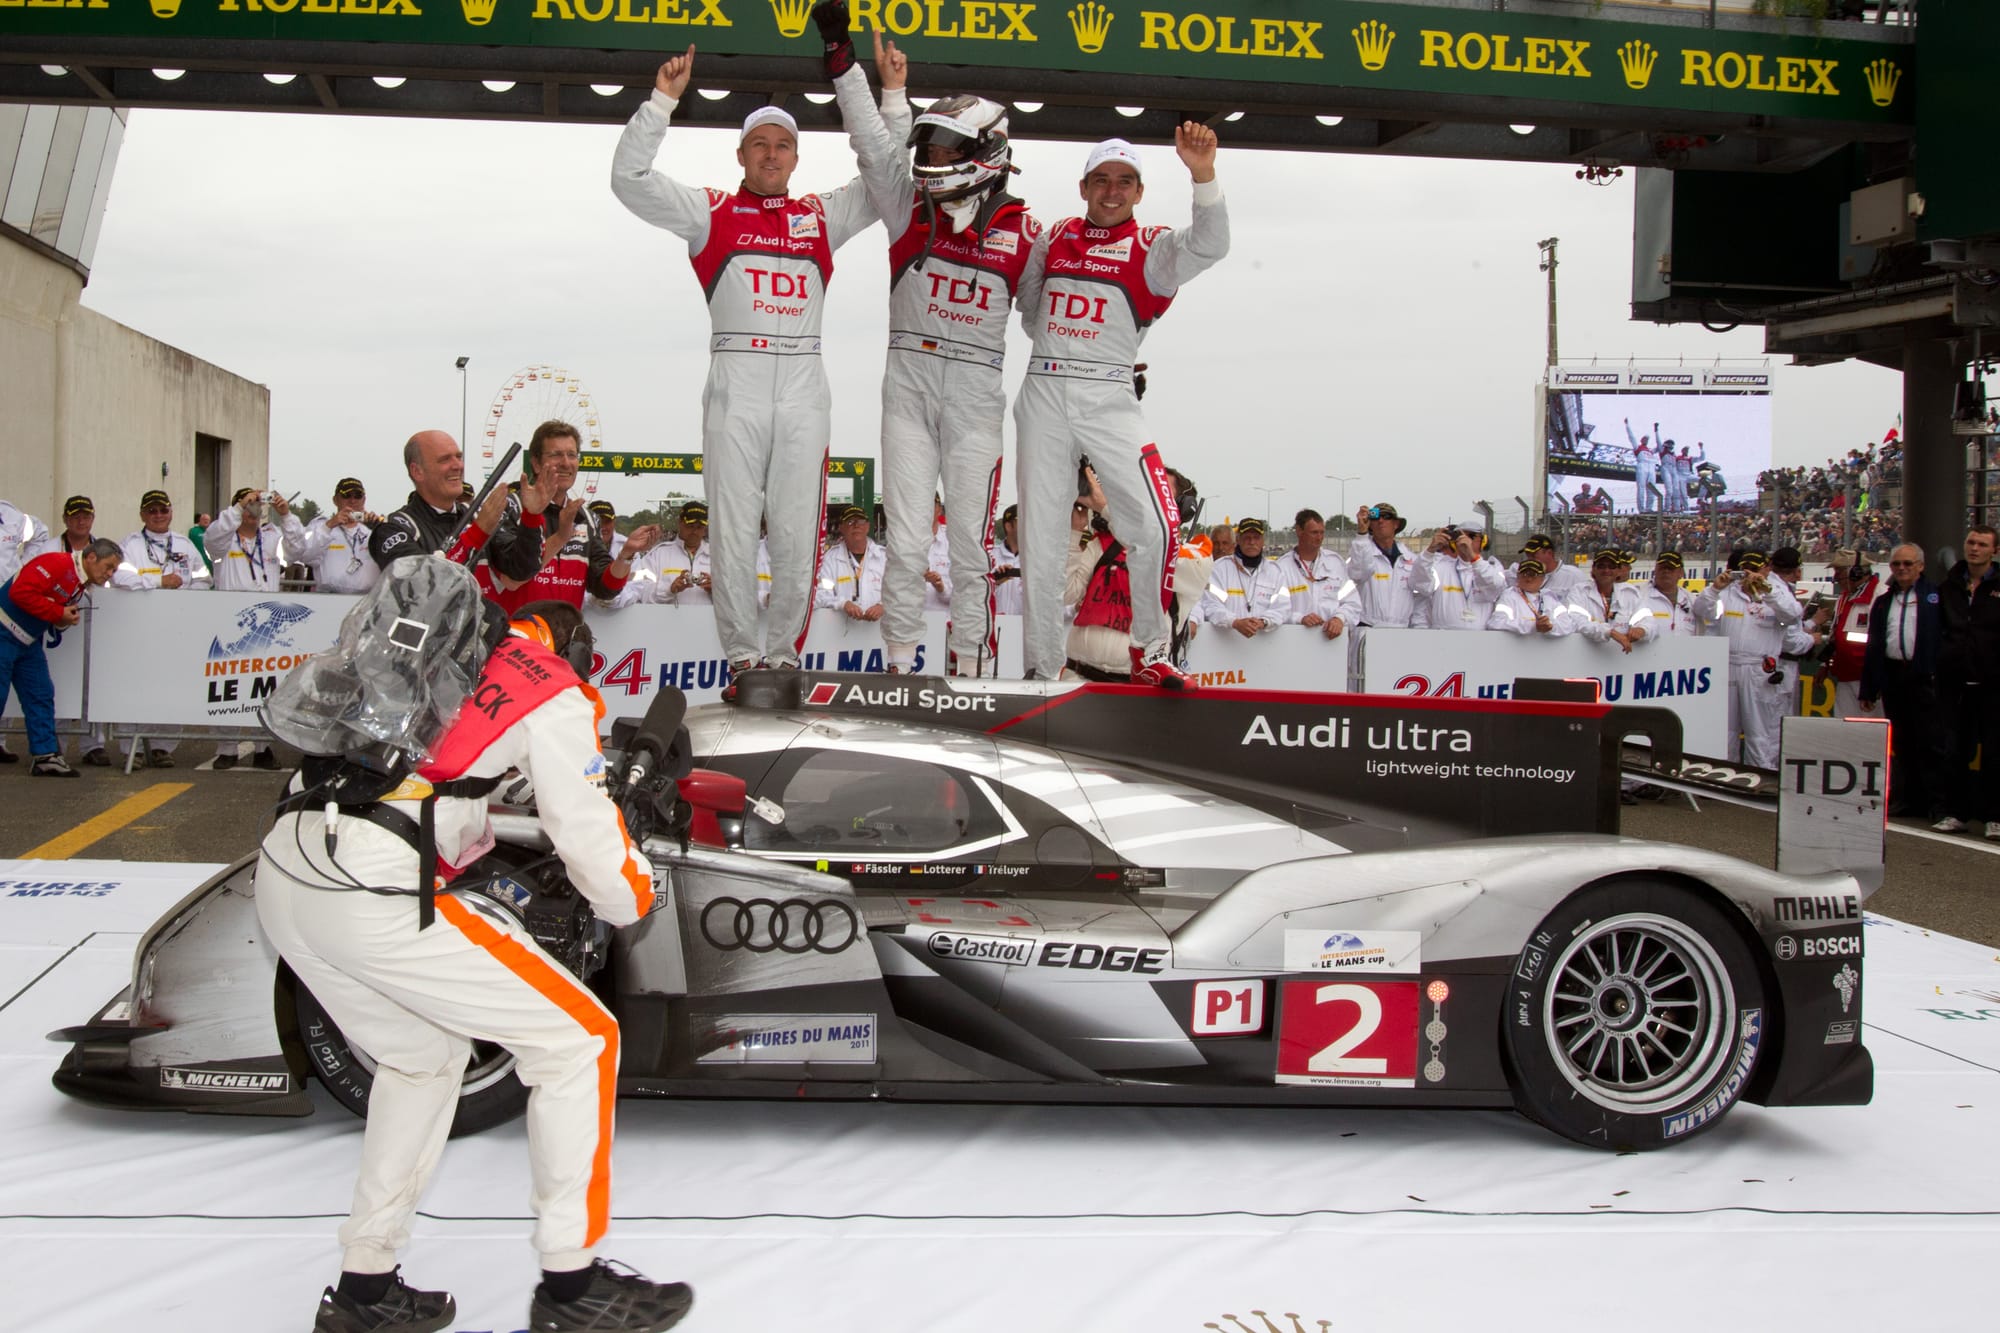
(42, 590)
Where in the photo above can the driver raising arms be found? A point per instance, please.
(1092, 288)
(764, 259)
(958, 244)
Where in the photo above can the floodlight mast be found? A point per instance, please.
(1548, 266)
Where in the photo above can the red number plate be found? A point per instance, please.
(1348, 1033)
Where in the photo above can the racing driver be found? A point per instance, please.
(958, 243)
(1092, 288)
(764, 259)
(334, 893)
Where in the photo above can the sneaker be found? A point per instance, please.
(159, 759)
(97, 758)
(617, 1301)
(1948, 825)
(1161, 673)
(266, 759)
(224, 762)
(51, 766)
(404, 1308)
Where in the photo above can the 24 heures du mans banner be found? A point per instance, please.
(1588, 58)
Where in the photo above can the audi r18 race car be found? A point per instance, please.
(917, 888)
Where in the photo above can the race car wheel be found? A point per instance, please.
(492, 1093)
(1636, 1016)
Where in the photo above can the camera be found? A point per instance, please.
(1773, 673)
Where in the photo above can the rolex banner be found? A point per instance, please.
(1834, 72)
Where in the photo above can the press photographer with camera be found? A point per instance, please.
(355, 888)
(1753, 610)
(1462, 582)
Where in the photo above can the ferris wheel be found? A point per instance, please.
(530, 396)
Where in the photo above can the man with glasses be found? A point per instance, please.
(336, 545)
(159, 559)
(540, 530)
(1899, 672)
(850, 573)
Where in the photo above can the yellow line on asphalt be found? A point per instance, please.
(136, 806)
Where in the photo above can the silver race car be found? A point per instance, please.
(917, 888)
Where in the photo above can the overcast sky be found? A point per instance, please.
(1381, 319)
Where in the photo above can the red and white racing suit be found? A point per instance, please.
(951, 287)
(415, 1000)
(1087, 298)
(763, 264)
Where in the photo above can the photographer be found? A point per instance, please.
(245, 547)
(1753, 611)
(1097, 585)
(336, 544)
(416, 997)
(1462, 582)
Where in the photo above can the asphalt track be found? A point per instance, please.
(191, 813)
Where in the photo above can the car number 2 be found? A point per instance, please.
(1348, 1033)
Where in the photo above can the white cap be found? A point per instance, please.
(1113, 150)
(1477, 523)
(768, 115)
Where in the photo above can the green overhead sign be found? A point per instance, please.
(635, 465)
(1347, 44)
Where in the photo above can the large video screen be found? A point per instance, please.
(1607, 448)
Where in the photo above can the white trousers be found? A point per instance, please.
(415, 1001)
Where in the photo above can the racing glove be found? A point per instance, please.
(831, 16)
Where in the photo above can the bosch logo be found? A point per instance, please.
(795, 925)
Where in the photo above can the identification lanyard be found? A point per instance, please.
(253, 551)
(165, 559)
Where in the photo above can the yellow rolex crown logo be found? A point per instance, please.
(478, 13)
(1265, 1324)
(1883, 76)
(1372, 41)
(1636, 59)
(1091, 22)
(166, 9)
(791, 16)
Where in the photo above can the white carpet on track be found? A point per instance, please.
(885, 1218)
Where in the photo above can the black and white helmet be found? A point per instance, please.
(963, 124)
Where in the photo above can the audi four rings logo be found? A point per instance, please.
(796, 925)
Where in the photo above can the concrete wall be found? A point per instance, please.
(92, 407)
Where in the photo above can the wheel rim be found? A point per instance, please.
(1638, 1012)
(488, 1065)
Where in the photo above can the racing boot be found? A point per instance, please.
(402, 1309)
(1158, 669)
(617, 1300)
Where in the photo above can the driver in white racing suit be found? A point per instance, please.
(958, 243)
(336, 895)
(764, 258)
(1092, 288)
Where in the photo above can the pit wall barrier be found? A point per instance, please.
(207, 660)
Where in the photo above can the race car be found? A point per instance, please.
(907, 887)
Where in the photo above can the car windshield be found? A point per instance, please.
(855, 802)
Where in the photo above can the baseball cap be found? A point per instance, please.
(1113, 150)
(1477, 523)
(768, 115)
(1244, 525)
(1531, 566)
(152, 498)
(1537, 542)
(1606, 556)
(694, 511)
(78, 504)
(1786, 557)
(1753, 560)
(349, 488)
(1670, 560)
(1010, 514)
(602, 509)
(847, 514)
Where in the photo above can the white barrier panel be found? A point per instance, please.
(1688, 676)
(211, 658)
(1290, 657)
(66, 667)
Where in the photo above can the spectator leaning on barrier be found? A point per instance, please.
(1899, 671)
(42, 596)
(1006, 574)
(1462, 582)
(247, 546)
(421, 527)
(1968, 680)
(1246, 592)
(1323, 597)
(850, 573)
(1528, 607)
(22, 538)
(1666, 606)
(336, 544)
(1858, 588)
(1752, 612)
(1610, 612)
(540, 527)
(1560, 577)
